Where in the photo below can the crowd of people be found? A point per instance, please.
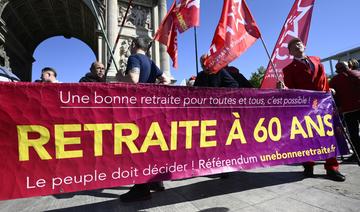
(304, 72)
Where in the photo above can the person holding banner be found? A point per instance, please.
(307, 72)
(208, 79)
(141, 69)
(347, 85)
(96, 74)
(221, 78)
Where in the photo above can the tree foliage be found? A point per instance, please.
(256, 77)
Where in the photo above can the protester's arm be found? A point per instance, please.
(324, 82)
(132, 76)
(132, 73)
(163, 79)
(333, 86)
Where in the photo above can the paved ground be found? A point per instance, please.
(280, 188)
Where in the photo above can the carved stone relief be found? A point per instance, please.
(147, 3)
(4, 57)
(124, 53)
(138, 16)
(3, 2)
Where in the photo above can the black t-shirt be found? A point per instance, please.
(148, 69)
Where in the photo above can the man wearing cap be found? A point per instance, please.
(307, 72)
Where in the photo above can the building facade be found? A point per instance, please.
(342, 56)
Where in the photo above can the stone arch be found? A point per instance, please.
(24, 24)
(70, 66)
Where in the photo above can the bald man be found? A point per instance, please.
(96, 74)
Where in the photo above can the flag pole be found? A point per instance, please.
(118, 36)
(272, 64)
(105, 36)
(196, 51)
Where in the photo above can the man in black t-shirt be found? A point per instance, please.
(141, 69)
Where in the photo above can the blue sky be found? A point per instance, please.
(334, 28)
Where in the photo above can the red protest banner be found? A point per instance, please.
(297, 25)
(58, 137)
(235, 33)
(187, 14)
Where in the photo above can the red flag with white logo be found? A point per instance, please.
(297, 25)
(235, 33)
(187, 14)
(167, 34)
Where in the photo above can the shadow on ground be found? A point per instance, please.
(94, 193)
(236, 182)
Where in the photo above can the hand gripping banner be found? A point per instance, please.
(70, 137)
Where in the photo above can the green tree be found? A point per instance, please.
(256, 77)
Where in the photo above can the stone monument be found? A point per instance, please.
(24, 24)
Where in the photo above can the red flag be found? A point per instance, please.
(187, 14)
(235, 32)
(167, 34)
(296, 25)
